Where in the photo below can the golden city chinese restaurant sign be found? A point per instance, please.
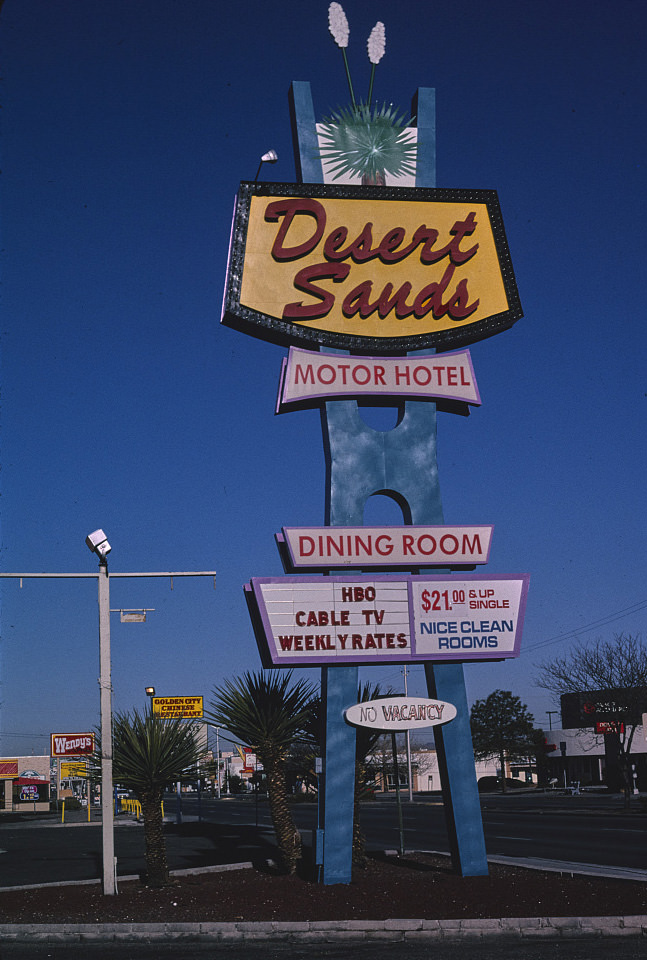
(378, 268)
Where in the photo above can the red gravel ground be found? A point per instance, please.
(415, 887)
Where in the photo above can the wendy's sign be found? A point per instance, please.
(377, 268)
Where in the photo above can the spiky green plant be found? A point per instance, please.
(148, 754)
(368, 142)
(269, 712)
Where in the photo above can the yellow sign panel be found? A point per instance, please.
(388, 268)
(73, 770)
(173, 707)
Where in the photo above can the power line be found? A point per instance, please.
(38, 736)
(603, 621)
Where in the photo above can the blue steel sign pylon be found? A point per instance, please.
(401, 463)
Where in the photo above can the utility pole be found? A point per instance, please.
(408, 743)
(218, 763)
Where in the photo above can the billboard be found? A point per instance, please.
(72, 744)
(171, 708)
(336, 620)
(587, 708)
(378, 268)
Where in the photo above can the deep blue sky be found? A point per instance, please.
(126, 128)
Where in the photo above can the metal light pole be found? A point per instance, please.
(105, 683)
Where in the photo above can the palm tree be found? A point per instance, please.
(268, 712)
(149, 753)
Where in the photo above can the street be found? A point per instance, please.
(476, 949)
(579, 829)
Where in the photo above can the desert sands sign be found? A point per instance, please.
(389, 269)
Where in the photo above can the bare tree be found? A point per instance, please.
(615, 669)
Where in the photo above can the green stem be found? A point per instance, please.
(370, 86)
(350, 82)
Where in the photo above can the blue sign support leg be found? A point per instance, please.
(338, 691)
(446, 681)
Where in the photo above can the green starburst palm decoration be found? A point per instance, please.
(364, 140)
(368, 142)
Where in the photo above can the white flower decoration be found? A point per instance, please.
(338, 24)
(376, 43)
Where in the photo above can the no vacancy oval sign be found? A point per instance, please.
(400, 713)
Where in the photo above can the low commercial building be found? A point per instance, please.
(24, 784)
(580, 755)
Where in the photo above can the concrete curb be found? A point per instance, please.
(333, 931)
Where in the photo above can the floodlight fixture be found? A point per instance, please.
(98, 543)
(150, 691)
(270, 157)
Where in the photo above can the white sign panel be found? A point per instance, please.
(467, 617)
(308, 377)
(400, 713)
(394, 618)
(413, 546)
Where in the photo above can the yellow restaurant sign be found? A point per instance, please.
(171, 707)
(70, 769)
(388, 269)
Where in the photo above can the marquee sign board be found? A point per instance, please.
(72, 744)
(308, 377)
(400, 713)
(377, 269)
(325, 548)
(589, 707)
(171, 708)
(390, 618)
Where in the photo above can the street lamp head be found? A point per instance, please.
(270, 157)
(98, 543)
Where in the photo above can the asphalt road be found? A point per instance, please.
(581, 829)
(588, 830)
(477, 949)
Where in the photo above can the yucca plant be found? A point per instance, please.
(365, 140)
(148, 754)
(268, 712)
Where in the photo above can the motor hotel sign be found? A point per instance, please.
(389, 269)
(308, 376)
(335, 620)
